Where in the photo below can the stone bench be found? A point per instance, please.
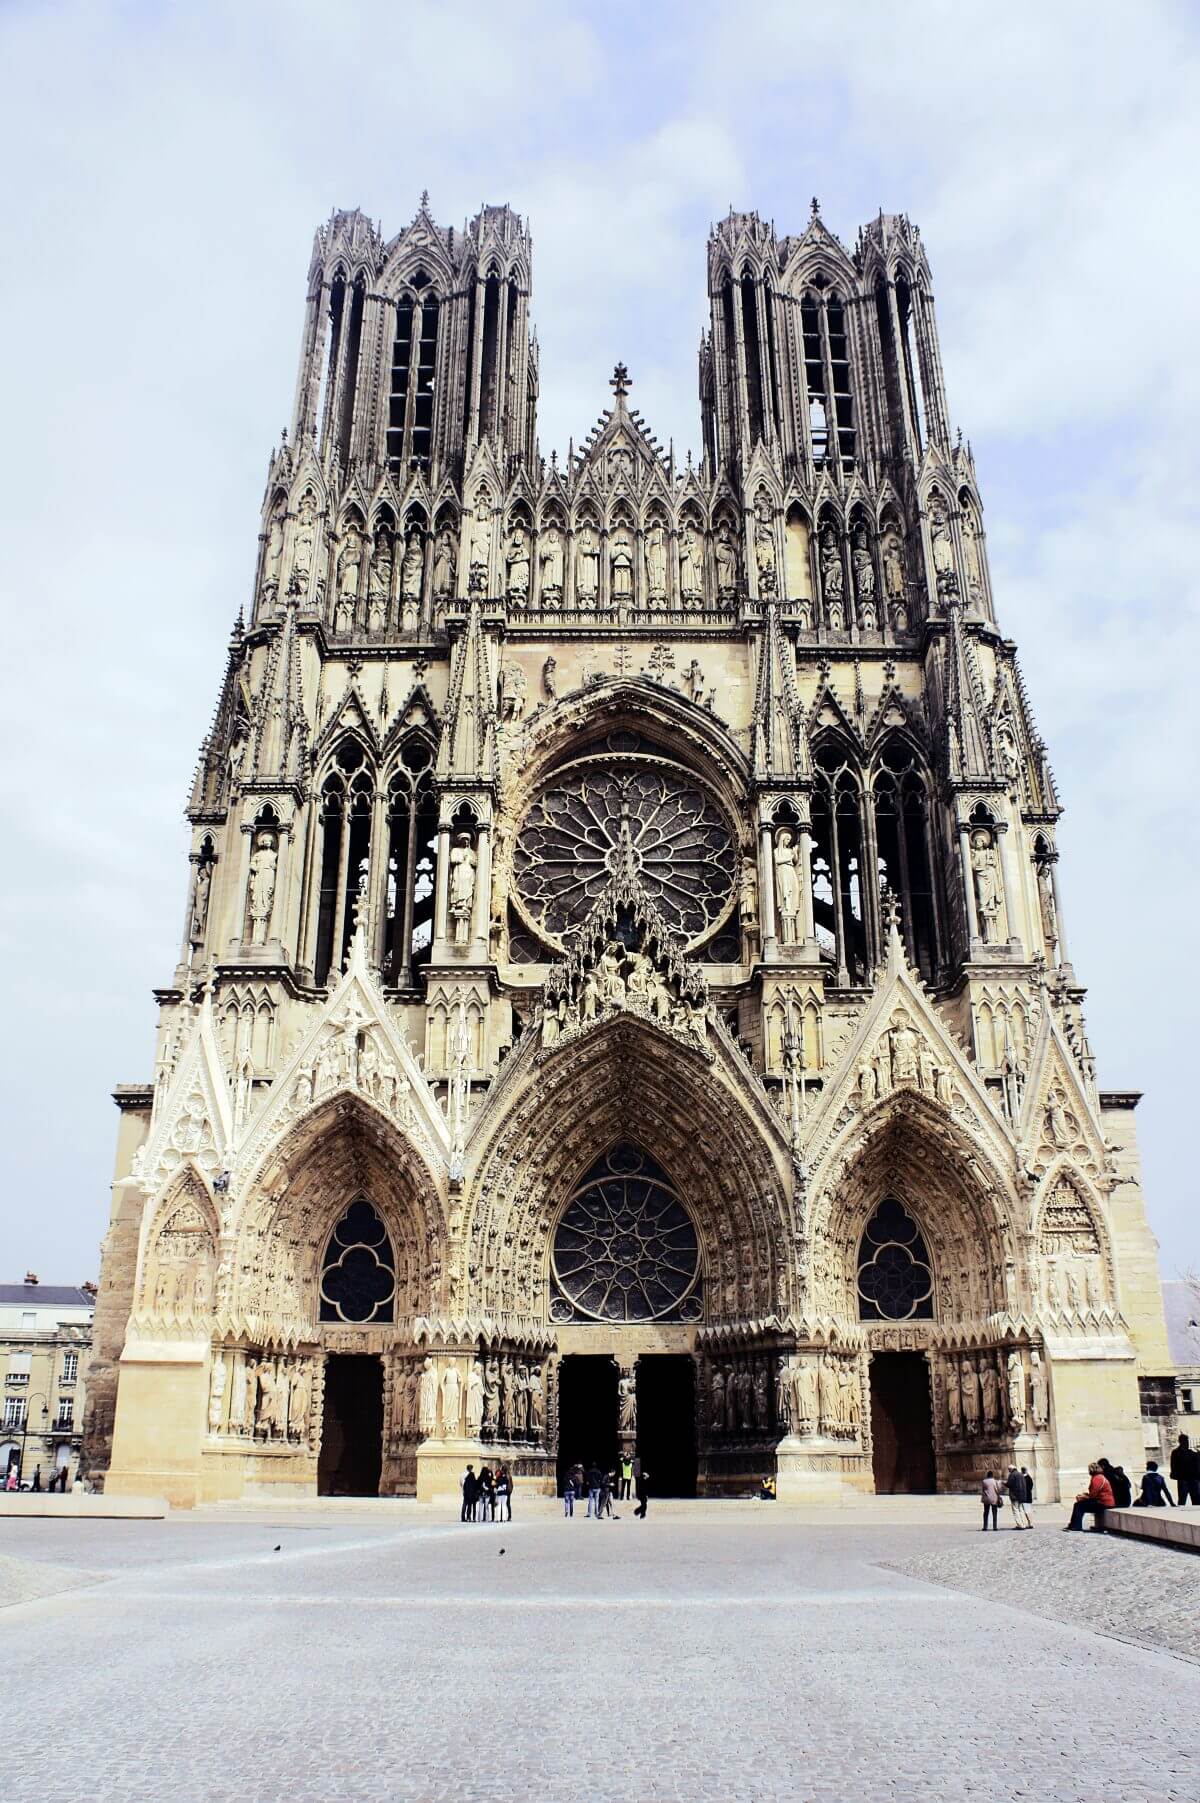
(1174, 1527)
(77, 1505)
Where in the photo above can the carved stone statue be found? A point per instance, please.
(537, 1403)
(827, 1395)
(1038, 1396)
(474, 1400)
(748, 895)
(379, 582)
(1016, 1392)
(216, 1393)
(480, 546)
(411, 571)
(953, 1400)
(989, 1385)
(804, 1389)
(904, 1052)
(263, 864)
(764, 547)
(349, 564)
(508, 1396)
(784, 1411)
(451, 1400)
(833, 577)
(250, 1386)
(299, 1401)
(445, 565)
(849, 1405)
(716, 1395)
(971, 561)
(627, 1402)
(587, 568)
(725, 555)
(513, 689)
(656, 564)
(939, 536)
(892, 557)
(762, 1417)
(516, 563)
(305, 535)
(970, 1396)
(427, 1400)
(201, 888)
(691, 567)
(463, 863)
(1049, 911)
(787, 887)
(491, 1395)
(988, 898)
(550, 567)
(550, 679)
(621, 569)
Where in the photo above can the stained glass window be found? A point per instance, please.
(358, 1276)
(895, 1279)
(625, 1248)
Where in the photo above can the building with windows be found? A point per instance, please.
(45, 1339)
(623, 996)
(1181, 1299)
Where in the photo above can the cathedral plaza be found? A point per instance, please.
(623, 1005)
(713, 1651)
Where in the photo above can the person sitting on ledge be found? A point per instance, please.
(766, 1489)
(1095, 1501)
(1155, 1491)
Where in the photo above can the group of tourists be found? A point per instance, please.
(487, 1494)
(1109, 1487)
(1018, 1487)
(627, 1477)
(57, 1481)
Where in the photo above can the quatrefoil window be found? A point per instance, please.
(895, 1278)
(358, 1275)
(599, 817)
(625, 1248)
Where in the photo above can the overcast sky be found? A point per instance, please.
(165, 169)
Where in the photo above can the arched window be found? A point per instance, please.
(895, 1277)
(905, 849)
(345, 818)
(411, 865)
(625, 1248)
(753, 351)
(414, 369)
(827, 373)
(911, 366)
(358, 1272)
(837, 870)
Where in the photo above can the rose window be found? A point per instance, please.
(358, 1276)
(625, 1248)
(596, 821)
(895, 1279)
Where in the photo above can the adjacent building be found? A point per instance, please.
(45, 1341)
(623, 997)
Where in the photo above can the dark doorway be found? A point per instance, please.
(666, 1423)
(351, 1457)
(587, 1413)
(902, 1424)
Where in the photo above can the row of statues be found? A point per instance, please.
(903, 1056)
(1074, 1286)
(819, 1395)
(182, 1289)
(497, 1397)
(351, 1055)
(621, 980)
(261, 1398)
(990, 1393)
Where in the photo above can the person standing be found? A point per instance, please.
(1094, 1501)
(1028, 1476)
(594, 1481)
(470, 1493)
(487, 1496)
(641, 1488)
(504, 1492)
(1015, 1485)
(626, 1476)
(989, 1491)
(1185, 1470)
(569, 1494)
(37, 1477)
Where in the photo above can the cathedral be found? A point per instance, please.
(623, 999)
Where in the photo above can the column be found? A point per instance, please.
(481, 910)
(377, 917)
(766, 890)
(968, 881)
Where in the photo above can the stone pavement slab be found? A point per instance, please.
(691, 1656)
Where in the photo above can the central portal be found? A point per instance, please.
(902, 1424)
(351, 1458)
(666, 1423)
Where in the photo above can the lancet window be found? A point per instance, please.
(345, 849)
(839, 910)
(408, 900)
(829, 395)
(341, 370)
(904, 849)
(414, 370)
(358, 1271)
(895, 1276)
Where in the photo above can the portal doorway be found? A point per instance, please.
(351, 1456)
(587, 1413)
(666, 1423)
(902, 1424)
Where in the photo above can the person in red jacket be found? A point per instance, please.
(1093, 1501)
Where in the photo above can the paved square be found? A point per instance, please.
(710, 1652)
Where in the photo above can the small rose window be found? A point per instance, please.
(358, 1276)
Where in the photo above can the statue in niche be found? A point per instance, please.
(550, 680)
(445, 565)
(1074, 1294)
(621, 569)
(1058, 1122)
(427, 1400)
(299, 1401)
(904, 1052)
(691, 567)
(537, 1403)
(989, 1386)
(587, 568)
(804, 1388)
(411, 571)
(516, 566)
(1053, 1289)
(1046, 903)
(864, 569)
(379, 583)
(521, 1418)
(462, 886)
(892, 558)
(787, 887)
(827, 1395)
(833, 578)
(263, 864)
(1016, 1392)
(491, 1395)
(716, 1398)
(748, 895)
(939, 536)
(305, 535)
(971, 562)
(250, 1378)
(783, 1397)
(746, 1394)
(764, 547)
(725, 555)
(849, 1410)
(216, 1393)
(762, 1414)
(474, 1400)
(1038, 1396)
(480, 546)
(732, 1379)
(451, 1401)
(656, 564)
(550, 567)
(970, 1396)
(508, 1396)
(627, 1403)
(988, 901)
(349, 564)
(513, 691)
(200, 895)
(273, 555)
(953, 1401)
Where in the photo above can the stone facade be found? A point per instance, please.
(622, 920)
(45, 1340)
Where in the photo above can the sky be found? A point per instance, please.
(166, 167)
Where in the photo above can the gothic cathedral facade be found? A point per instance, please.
(623, 999)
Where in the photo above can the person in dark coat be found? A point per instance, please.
(1028, 1476)
(37, 1477)
(1156, 1492)
(1185, 1470)
(487, 1496)
(1014, 1483)
(470, 1494)
(595, 1478)
(1122, 1489)
(504, 1492)
(641, 1488)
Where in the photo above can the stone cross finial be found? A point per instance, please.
(890, 903)
(816, 207)
(620, 381)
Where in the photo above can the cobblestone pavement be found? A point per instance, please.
(697, 1655)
